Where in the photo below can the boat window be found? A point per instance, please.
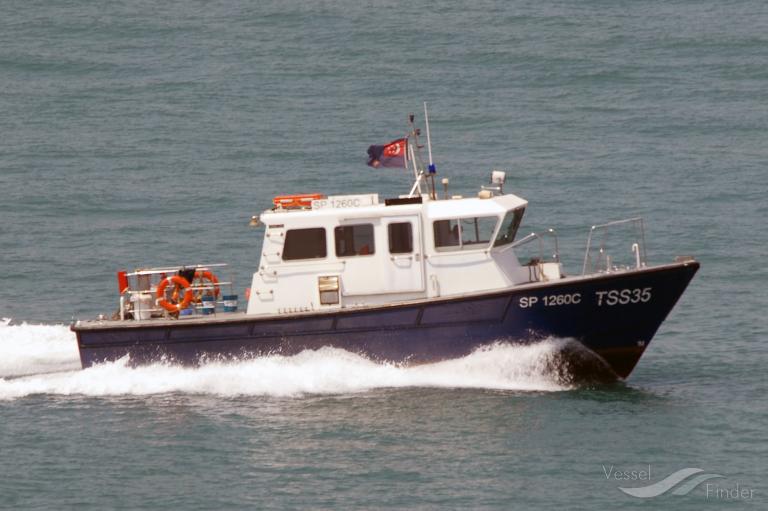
(304, 244)
(400, 238)
(354, 240)
(446, 234)
(477, 231)
(509, 227)
(464, 234)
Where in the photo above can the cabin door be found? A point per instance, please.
(404, 265)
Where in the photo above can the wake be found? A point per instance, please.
(43, 359)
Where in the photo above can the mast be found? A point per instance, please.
(418, 174)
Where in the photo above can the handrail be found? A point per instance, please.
(450, 250)
(293, 269)
(203, 287)
(166, 269)
(638, 247)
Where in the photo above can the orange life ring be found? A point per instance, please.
(301, 200)
(181, 283)
(210, 277)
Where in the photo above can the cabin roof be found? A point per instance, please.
(432, 209)
(453, 208)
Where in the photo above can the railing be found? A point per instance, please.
(170, 269)
(604, 261)
(138, 290)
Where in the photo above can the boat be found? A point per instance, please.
(412, 279)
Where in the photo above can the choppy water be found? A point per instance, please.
(135, 134)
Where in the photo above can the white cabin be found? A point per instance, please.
(354, 251)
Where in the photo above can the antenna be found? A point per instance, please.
(432, 168)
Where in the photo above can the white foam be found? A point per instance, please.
(32, 349)
(325, 371)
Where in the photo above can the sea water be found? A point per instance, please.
(142, 134)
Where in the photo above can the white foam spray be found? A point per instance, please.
(47, 357)
(32, 349)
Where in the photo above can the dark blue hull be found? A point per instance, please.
(614, 315)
